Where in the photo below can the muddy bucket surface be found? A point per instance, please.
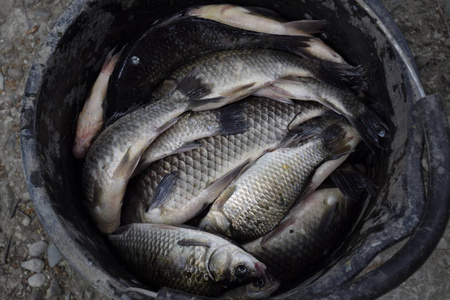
(412, 203)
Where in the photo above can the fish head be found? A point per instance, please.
(261, 288)
(216, 222)
(231, 264)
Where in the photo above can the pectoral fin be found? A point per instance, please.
(164, 190)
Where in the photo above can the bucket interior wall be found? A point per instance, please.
(80, 42)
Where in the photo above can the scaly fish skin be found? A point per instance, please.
(169, 45)
(199, 169)
(249, 19)
(236, 74)
(254, 204)
(193, 126)
(182, 258)
(116, 152)
(369, 124)
(312, 228)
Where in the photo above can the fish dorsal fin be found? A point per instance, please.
(188, 146)
(224, 196)
(261, 11)
(278, 230)
(232, 118)
(193, 242)
(164, 189)
(128, 163)
(193, 87)
(306, 26)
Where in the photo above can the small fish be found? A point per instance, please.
(258, 289)
(193, 126)
(115, 153)
(369, 124)
(305, 236)
(91, 118)
(178, 187)
(263, 20)
(255, 202)
(172, 43)
(183, 258)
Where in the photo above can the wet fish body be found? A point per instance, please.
(116, 152)
(259, 20)
(236, 74)
(199, 175)
(369, 124)
(193, 126)
(260, 198)
(91, 118)
(168, 46)
(183, 258)
(305, 236)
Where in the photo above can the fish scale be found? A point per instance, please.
(199, 168)
(255, 202)
(183, 258)
(304, 237)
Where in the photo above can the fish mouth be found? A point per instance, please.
(260, 269)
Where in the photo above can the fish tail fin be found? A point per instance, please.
(292, 44)
(353, 183)
(342, 75)
(336, 141)
(372, 129)
(315, 126)
(305, 26)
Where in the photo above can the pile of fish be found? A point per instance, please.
(208, 176)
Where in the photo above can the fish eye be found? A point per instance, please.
(241, 270)
(258, 283)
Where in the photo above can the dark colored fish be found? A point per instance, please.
(169, 45)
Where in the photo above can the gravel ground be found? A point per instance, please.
(32, 268)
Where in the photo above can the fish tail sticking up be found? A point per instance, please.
(353, 183)
(342, 75)
(372, 128)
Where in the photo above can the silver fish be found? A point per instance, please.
(262, 20)
(311, 229)
(91, 118)
(258, 289)
(115, 153)
(183, 258)
(254, 203)
(193, 126)
(235, 74)
(179, 186)
(369, 124)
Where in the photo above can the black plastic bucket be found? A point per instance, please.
(408, 207)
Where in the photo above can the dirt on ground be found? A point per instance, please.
(32, 268)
